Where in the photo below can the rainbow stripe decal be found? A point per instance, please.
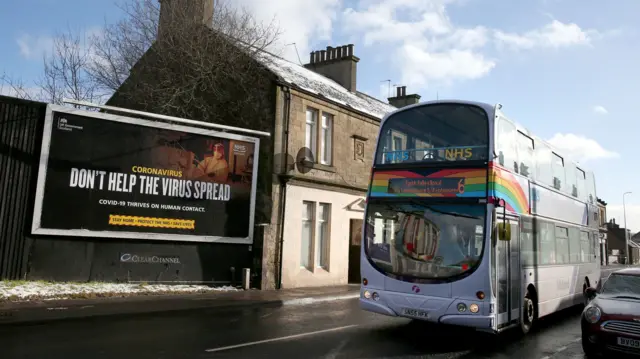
(430, 183)
(504, 185)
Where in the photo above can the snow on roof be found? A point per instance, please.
(315, 83)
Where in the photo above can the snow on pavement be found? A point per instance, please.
(37, 290)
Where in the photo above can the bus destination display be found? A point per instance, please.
(427, 186)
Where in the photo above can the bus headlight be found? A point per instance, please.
(367, 294)
(593, 314)
(375, 296)
(462, 307)
(473, 308)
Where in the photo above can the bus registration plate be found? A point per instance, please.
(415, 313)
(631, 343)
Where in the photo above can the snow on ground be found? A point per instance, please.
(37, 290)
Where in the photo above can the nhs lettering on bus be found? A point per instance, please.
(452, 154)
(396, 156)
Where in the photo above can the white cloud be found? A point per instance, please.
(300, 22)
(415, 36)
(600, 110)
(34, 47)
(633, 215)
(553, 35)
(420, 66)
(425, 45)
(580, 148)
(428, 47)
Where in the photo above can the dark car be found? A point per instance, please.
(611, 320)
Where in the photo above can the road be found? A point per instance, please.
(327, 330)
(323, 330)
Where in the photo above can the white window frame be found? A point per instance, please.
(321, 238)
(326, 139)
(311, 221)
(319, 248)
(319, 126)
(311, 132)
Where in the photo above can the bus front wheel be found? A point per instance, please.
(528, 314)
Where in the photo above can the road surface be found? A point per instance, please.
(323, 330)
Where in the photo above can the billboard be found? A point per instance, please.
(103, 175)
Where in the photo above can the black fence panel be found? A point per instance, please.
(21, 125)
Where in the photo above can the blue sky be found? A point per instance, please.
(566, 69)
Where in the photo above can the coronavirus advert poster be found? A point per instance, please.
(112, 176)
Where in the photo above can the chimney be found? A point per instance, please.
(184, 13)
(336, 63)
(402, 99)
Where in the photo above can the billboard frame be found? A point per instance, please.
(37, 229)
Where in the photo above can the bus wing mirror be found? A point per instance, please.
(504, 231)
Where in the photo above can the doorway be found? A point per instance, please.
(355, 245)
(508, 276)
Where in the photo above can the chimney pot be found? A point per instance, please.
(336, 63)
(311, 57)
(398, 91)
(329, 52)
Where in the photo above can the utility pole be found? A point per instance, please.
(626, 231)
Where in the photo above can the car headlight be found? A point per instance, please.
(592, 314)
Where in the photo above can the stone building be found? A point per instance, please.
(315, 168)
(602, 236)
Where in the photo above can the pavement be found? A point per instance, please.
(42, 311)
(327, 330)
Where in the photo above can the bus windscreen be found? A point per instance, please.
(438, 132)
(424, 241)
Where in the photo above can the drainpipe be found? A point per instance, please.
(284, 176)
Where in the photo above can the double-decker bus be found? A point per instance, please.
(471, 220)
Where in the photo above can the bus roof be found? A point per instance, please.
(490, 108)
(487, 107)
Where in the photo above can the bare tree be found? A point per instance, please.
(15, 87)
(190, 70)
(65, 73)
(122, 44)
(94, 67)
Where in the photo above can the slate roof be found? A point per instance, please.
(305, 79)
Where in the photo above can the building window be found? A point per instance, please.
(325, 138)
(308, 209)
(322, 235)
(311, 134)
(316, 226)
(603, 217)
(319, 137)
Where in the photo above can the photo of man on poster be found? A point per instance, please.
(215, 167)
